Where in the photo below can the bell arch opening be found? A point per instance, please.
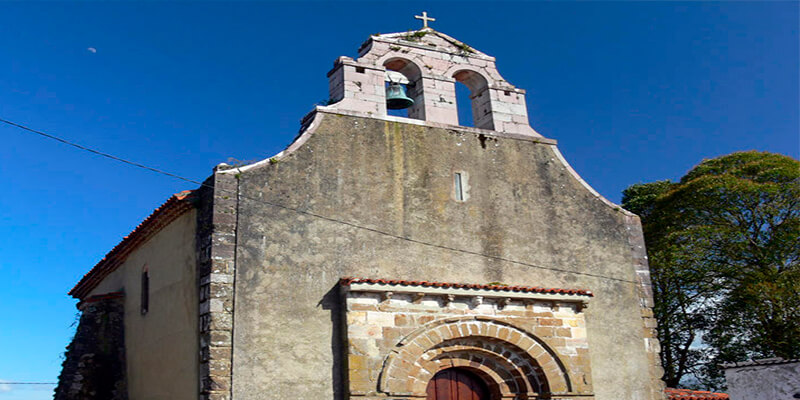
(480, 107)
(409, 76)
(464, 105)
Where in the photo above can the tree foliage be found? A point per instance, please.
(724, 250)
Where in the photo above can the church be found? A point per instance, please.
(387, 253)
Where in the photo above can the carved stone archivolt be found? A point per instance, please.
(513, 362)
(522, 344)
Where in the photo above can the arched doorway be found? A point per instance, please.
(472, 343)
(457, 384)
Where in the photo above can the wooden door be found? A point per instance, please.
(456, 384)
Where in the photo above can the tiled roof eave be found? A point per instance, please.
(485, 289)
(687, 394)
(760, 362)
(162, 216)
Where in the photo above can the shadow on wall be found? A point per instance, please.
(331, 301)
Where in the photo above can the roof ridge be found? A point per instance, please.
(760, 361)
(167, 212)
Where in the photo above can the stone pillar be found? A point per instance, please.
(439, 100)
(94, 366)
(482, 110)
(508, 110)
(359, 87)
(416, 91)
(216, 241)
(645, 289)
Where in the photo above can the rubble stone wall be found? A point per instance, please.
(94, 364)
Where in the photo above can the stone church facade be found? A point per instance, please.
(380, 257)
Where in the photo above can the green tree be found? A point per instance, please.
(724, 250)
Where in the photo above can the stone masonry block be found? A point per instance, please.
(216, 305)
(220, 338)
(221, 321)
(380, 319)
(364, 332)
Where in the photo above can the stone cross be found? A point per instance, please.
(424, 17)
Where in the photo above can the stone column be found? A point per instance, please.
(508, 110)
(482, 110)
(216, 246)
(439, 98)
(645, 291)
(359, 87)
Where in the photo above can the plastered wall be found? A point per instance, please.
(161, 346)
(524, 204)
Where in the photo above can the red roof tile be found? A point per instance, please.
(686, 394)
(498, 288)
(162, 216)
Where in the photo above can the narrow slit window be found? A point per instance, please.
(145, 291)
(459, 187)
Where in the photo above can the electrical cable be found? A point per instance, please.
(99, 153)
(331, 219)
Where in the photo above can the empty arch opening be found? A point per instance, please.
(464, 105)
(476, 101)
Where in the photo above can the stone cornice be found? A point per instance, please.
(475, 293)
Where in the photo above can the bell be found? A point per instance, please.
(396, 98)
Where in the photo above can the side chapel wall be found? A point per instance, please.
(160, 346)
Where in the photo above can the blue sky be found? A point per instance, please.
(633, 92)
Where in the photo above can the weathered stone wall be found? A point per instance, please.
(94, 364)
(524, 204)
(769, 379)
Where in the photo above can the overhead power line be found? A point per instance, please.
(97, 152)
(28, 383)
(331, 219)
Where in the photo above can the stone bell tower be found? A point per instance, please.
(429, 63)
